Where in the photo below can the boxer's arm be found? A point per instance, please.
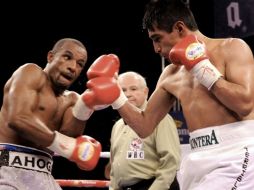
(236, 90)
(20, 99)
(83, 150)
(72, 126)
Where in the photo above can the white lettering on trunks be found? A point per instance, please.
(30, 161)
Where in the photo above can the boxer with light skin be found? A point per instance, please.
(39, 116)
(214, 81)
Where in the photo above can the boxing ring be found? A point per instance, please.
(185, 149)
(83, 182)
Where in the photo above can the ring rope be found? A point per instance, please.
(82, 183)
(102, 155)
(105, 154)
(85, 183)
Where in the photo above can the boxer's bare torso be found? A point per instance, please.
(200, 107)
(48, 106)
(36, 101)
(230, 99)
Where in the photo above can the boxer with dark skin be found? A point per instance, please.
(36, 101)
(39, 117)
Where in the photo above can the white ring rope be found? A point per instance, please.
(102, 155)
(85, 183)
(105, 155)
(102, 183)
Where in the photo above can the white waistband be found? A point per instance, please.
(214, 136)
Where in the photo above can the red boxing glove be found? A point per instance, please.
(101, 91)
(104, 66)
(188, 52)
(192, 54)
(84, 150)
(86, 153)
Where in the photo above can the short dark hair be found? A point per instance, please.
(164, 13)
(59, 44)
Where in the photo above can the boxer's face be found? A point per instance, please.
(163, 41)
(66, 64)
